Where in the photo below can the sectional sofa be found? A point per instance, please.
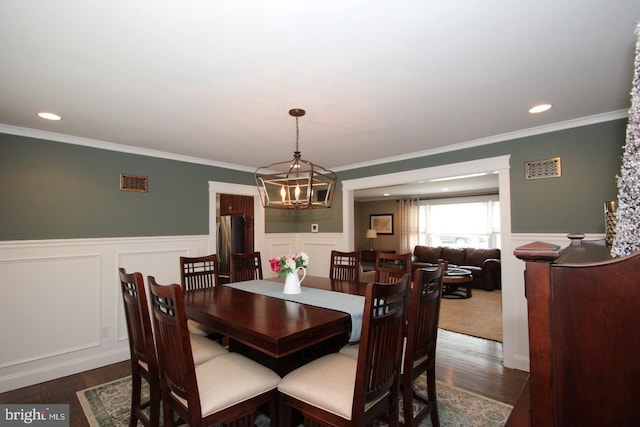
(484, 264)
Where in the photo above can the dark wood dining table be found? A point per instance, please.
(278, 333)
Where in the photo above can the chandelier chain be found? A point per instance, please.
(297, 135)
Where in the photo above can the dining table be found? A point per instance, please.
(281, 331)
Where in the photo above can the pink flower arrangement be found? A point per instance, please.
(285, 264)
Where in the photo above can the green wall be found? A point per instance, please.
(52, 190)
(591, 158)
(286, 221)
(57, 190)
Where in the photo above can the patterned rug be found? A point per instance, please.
(107, 405)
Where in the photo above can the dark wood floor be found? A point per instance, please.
(469, 363)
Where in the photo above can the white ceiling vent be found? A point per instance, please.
(139, 184)
(549, 168)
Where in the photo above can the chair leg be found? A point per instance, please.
(136, 387)
(407, 404)
(273, 412)
(284, 413)
(431, 393)
(154, 403)
(167, 413)
(394, 411)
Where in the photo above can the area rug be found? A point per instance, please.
(107, 405)
(478, 316)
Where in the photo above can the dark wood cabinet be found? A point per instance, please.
(234, 204)
(583, 313)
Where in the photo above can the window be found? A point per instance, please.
(461, 222)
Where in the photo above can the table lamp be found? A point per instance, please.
(371, 234)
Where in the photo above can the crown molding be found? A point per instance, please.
(554, 127)
(87, 142)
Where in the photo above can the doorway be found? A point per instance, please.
(235, 230)
(215, 189)
(495, 164)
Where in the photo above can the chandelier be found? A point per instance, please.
(297, 183)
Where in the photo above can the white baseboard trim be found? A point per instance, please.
(67, 367)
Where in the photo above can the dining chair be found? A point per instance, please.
(246, 266)
(200, 273)
(420, 348)
(227, 389)
(144, 362)
(419, 353)
(142, 348)
(391, 267)
(338, 390)
(344, 266)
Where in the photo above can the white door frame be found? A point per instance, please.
(498, 164)
(217, 187)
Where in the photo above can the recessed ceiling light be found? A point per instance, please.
(541, 108)
(49, 116)
(386, 194)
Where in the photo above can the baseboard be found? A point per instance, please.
(69, 367)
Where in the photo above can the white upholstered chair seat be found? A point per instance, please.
(221, 385)
(199, 329)
(351, 350)
(366, 276)
(326, 383)
(205, 349)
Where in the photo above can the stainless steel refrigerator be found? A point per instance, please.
(230, 240)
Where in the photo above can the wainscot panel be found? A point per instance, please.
(61, 308)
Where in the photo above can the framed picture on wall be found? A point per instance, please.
(382, 223)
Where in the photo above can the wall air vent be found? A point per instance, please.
(139, 184)
(549, 168)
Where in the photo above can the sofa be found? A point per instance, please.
(484, 264)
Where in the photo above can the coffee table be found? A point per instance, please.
(452, 279)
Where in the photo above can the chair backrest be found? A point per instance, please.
(175, 355)
(344, 266)
(391, 267)
(246, 266)
(199, 272)
(380, 352)
(422, 319)
(136, 311)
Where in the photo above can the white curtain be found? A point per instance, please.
(409, 224)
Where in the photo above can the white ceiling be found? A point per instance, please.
(434, 189)
(214, 80)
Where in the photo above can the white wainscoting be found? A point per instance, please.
(317, 245)
(61, 297)
(61, 308)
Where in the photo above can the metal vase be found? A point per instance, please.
(610, 222)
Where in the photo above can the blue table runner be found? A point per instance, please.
(347, 303)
